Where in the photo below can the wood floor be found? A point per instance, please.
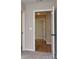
(42, 46)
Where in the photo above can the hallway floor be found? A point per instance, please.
(36, 55)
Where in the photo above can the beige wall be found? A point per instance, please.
(29, 44)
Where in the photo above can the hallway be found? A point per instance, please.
(36, 55)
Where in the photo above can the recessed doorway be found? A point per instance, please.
(43, 41)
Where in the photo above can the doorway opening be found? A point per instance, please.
(43, 41)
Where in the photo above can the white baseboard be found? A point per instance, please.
(28, 50)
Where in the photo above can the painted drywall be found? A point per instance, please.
(29, 44)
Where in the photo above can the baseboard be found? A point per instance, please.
(28, 50)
